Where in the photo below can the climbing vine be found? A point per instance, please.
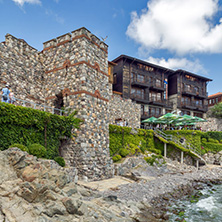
(27, 126)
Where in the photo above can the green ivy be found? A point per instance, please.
(124, 142)
(211, 147)
(27, 126)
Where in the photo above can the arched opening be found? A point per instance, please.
(58, 103)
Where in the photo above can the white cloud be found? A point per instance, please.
(179, 63)
(178, 26)
(55, 16)
(22, 2)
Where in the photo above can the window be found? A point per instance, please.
(133, 77)
(114, 78)
(216, 100)
(196, 90)
(140, 78)
(155, 111)
(155, 96)
(158, 83)
(137, 93)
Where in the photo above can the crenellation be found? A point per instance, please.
(49, 44)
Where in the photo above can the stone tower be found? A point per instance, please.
(76, 77)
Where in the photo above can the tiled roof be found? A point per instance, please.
(215, 95)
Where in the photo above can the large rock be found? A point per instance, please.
(36, 190)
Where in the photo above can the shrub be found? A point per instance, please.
(204, 140)
(20, 146)
(124, 152)
(153, 150)
(37, 150)
(117, 158)
(210, 140)
(60, 161)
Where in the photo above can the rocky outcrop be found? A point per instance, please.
(213, 158)
(37, 190)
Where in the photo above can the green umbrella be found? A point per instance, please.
(167, 118)
(199, 119)
(150, 120)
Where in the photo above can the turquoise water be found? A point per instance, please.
(205, 207)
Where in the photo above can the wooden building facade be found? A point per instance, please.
(159, 90)
(214, 99)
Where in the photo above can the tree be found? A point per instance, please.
(216, 111)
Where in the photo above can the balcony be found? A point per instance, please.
(189, 92)
(157, 86)
(193, 92)
(146, 115)
(188, 105)
(202, 95)
(139, 98)
(158, 102)
(202, 108)
(141, 84)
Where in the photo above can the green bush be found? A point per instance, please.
(60, 161)
(153, 159)
(124, 152)
(210, 140)
(121, 138)
(211, 147)
(203, 140)
(37, 150)
(22, 125)
(20, 146)
(116, 158)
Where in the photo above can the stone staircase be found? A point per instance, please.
(181, 142)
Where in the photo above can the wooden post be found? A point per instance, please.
(181, 159)
(197, 163)
(165, 150)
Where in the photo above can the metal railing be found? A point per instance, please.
(178, 141)
(33, 105)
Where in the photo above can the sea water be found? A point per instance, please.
(207, 207)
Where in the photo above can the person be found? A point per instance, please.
(11, 97)
(5, 94)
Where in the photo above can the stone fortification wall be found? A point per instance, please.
(76, 67)
(212, 124)
(71, 72)
(125, 110)
(21, 68)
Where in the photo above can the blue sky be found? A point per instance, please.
(177, 34)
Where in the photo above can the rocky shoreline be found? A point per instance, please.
(170, 182)
(34, 190)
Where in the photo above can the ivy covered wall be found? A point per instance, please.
(126, 142)
(27, 126)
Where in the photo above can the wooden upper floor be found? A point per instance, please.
(214, 99)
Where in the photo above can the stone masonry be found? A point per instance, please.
(72, 72)
(124, 110)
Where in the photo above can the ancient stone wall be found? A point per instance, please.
(124, 110)
(76, 67)
(71, 72)
(21, 68)
(212, 124)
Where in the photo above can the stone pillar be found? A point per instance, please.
(181, 159)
